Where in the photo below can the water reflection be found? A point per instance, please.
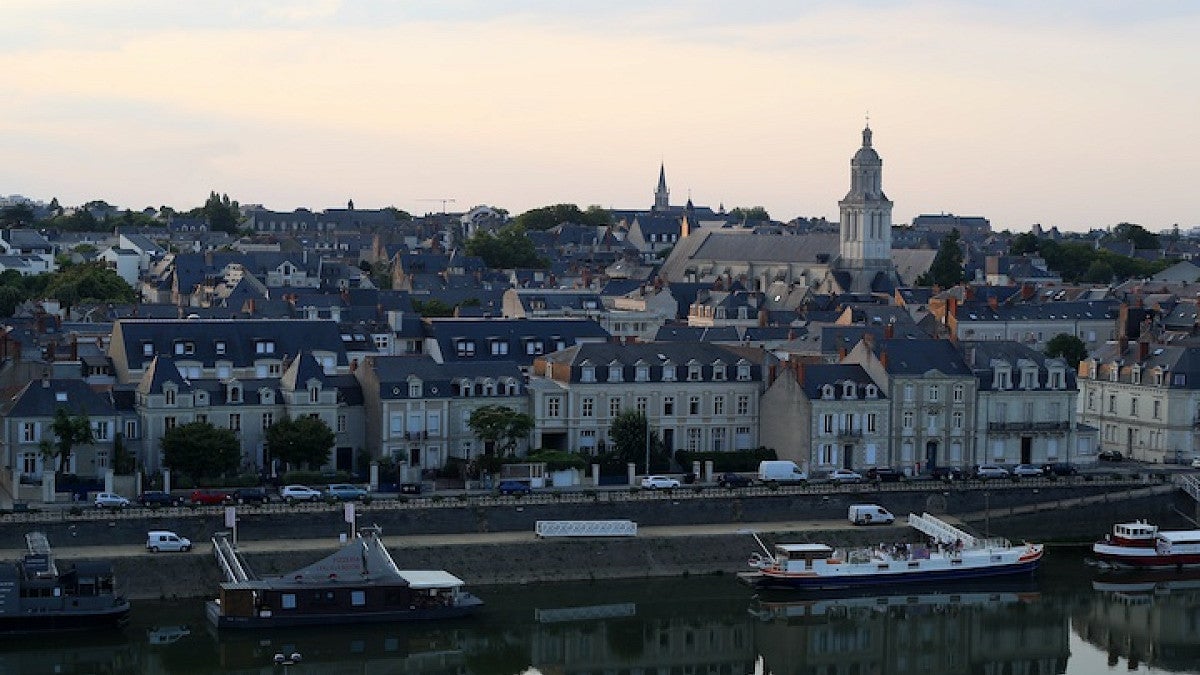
(1150, 618)
(696, 626)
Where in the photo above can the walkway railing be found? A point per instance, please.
(1190, 483)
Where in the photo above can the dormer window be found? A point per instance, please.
(1157, 377)
(266, 395)
(642, 373)
(1113, 372)
(827, 392)
(1135, 375)
(933, 393)
(169, 394)
(264, 347)
(1002, 378)
(60, 396)
(693, 372)
(414, 388)
(872, 391)
(587, 373)
(743, 372)
(147, 349)
(1057, 379)
(614, 373)
(668, 372)
(185, 348)
(465, 348)
(534, 348)
(499, 348)
(314, 393)
(219, 347)
(848, 390)
(1029, 378)
(718, 374)
(489, 388)
(235, 394)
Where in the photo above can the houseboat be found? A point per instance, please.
(40, 592)
(360, 583)
(1141, 545)
(950, 554)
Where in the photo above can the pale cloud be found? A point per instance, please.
(1022, 115)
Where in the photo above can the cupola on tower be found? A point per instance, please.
(866, 213)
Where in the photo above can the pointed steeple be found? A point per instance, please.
(661, 193)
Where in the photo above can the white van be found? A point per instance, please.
(870, 514)
(162, 540)
(780, 471)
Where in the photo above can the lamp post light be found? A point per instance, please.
(647, 418)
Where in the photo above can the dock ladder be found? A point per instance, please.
(228, 558)
(940, 530)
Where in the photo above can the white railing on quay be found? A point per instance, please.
(585, 528)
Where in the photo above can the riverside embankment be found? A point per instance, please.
(491, 541)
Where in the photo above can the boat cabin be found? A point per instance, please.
(1178, 543)
(1134, 533)
(800, 556)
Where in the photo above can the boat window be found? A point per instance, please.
(358, 598)
(288, 601)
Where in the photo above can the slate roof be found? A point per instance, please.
(981, 356)
(437, 380)
(697, 334)
(300, 371)
(655, 355)
(239, 339)
(161, 371)
(43, 397)
(917, 357)
(516, 333)
(1079, 310)
(817, 375)
(767, 248)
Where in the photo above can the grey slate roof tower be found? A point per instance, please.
(661, 193)
(866, 223)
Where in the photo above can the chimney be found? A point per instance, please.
(799, 368)
(969, 292)
(771, 375)
(74, 347)
(1028, 290)
(762, 318)
(889, 331)
(1143, 350)
(951, 309)
(353, 365)
(993, 303)
(841, 353)
(883, 359)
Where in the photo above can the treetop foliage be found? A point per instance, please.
(508, 248)
(546, 217)
(1082, 262)
(753, 214)
(947, 267)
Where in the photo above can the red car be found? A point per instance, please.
(210, 497)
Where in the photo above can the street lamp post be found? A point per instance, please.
(647, 418)
(287, 660)
(987, 514)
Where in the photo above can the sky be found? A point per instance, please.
(1077, 114)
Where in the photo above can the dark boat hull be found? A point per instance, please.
(770, 582)
(286, 620)
(65, 621)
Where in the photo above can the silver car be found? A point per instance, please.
(986, 471)
(655, 482)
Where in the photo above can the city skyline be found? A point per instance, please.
(1018, 112)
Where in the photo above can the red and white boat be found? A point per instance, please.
(1142, 545)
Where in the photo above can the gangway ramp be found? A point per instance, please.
(940, 530)
(229, 559)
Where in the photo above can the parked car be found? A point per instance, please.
(1027, 471)
(844, 476)
(655, 482)
(730, 479)
(158, 498)
(1196, 463)
(110, 500)
(1060, 469)
(251, 495)
(1111, 456)
(946, 473)
(885, 474)
(410, 488)
(206, 497)
(514, 487)
(345, 492)
(164, 540)
(986, 471)
(299, 493)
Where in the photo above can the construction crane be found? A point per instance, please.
(443, 200)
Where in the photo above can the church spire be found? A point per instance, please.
(661, 193)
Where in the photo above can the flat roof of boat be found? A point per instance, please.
(804, 548)
(1180, 536)
(430, 579)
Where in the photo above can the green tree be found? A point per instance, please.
(304, 441)
(1068, 347)
(432, 308)
(1026, 242)
(1099, 272)
(16, 215)
(221, 213)
(124, 461)
(10, 298)
(201, 450)
(546, 217)
(500, 427)
(400, 214)
(88, 282)
(69, 431)
(507, 248)
(629, 436)
(753, 214)
(1140, 236)
(947, 267)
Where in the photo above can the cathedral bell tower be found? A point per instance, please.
(661, 193)
(866, 214)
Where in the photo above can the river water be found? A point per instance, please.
(1067, 619)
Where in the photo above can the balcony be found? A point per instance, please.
(1028, 427)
